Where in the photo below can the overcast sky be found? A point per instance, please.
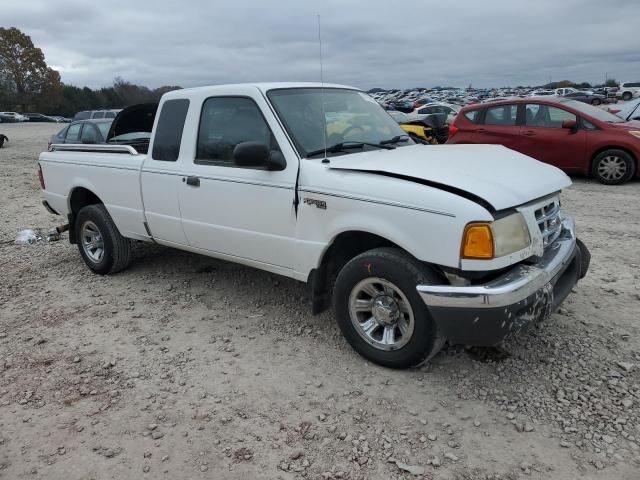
(366, 43)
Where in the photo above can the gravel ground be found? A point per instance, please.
(189, 367)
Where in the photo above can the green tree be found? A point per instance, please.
(611, 82)
(24, 70)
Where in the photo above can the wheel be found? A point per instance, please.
(596, 101)
(626, 96)
(380, 312)
(613, 167)
(102, 247)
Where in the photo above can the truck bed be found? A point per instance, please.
(112, 173)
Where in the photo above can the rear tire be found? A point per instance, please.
(613, 167)
(627, 96)
(101, 246)
(380, 312)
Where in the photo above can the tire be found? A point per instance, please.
(627, 96)
(613, 167)
(101, 246)
(596, 102)
(391, 276)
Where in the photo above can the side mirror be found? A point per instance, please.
(571, 125)
(257, 154)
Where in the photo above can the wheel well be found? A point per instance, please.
(80, 197)
(344, 247)
(612, 147)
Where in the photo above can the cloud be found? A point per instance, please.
(365, 43)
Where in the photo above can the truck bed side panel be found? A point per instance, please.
(113, 178)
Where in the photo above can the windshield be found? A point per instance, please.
(628, 109)
(349, 116)
(594, 112)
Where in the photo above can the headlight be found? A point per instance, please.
(510, 234)
(484, 241)
(635, 133)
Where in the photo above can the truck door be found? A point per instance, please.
(243, 212)
(160, 179)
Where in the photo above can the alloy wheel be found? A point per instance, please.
(92, 241)
(381, 314)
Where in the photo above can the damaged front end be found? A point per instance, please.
(487, 314)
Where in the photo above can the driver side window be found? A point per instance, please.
(224, 123)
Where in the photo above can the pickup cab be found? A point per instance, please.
(412, 245)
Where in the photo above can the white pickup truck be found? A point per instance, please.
(413, 244)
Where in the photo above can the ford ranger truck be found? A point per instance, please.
(411, 245)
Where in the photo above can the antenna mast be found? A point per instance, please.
(324, 118)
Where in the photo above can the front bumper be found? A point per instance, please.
(487, 314)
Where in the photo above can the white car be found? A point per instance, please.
(412, 245)
(13, 116)
(628, 90)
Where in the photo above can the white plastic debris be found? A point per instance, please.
(27, 237)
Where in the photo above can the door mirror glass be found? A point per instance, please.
(254, 154)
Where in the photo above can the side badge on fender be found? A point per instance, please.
(318, 203)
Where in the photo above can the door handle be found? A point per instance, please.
(193, 181)
(529, 133)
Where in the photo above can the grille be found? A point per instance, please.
(549, 221)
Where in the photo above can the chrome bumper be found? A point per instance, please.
(515, 286)
(528, 293)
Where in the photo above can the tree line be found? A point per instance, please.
(27, 84)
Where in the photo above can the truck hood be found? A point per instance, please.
(501, 177)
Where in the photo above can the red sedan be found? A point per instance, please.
(573, 136)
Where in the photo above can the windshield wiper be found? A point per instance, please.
(341, 146)
(396, 139)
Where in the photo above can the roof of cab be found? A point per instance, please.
(263, 87)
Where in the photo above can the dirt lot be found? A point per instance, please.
(185, 367)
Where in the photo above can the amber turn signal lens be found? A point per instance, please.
(477, 241)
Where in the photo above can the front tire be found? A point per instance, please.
(596, 102)
(613, 167)
(101, 246)
(380, 312)
(626, 96)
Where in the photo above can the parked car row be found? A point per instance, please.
(13, 117)
(409, 99)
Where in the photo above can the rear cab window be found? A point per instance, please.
(168, 135)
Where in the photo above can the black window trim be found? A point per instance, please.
(213, 163)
